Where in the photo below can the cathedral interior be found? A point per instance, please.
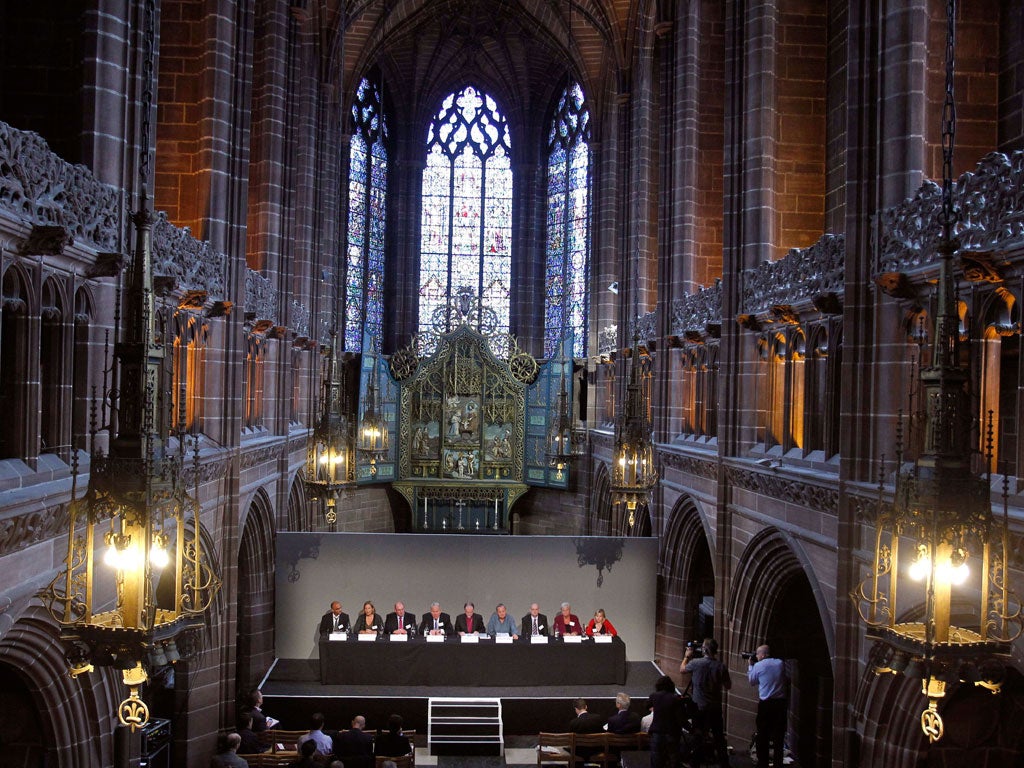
(743, 277)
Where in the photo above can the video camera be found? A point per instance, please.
(748, 655)
(697, 647)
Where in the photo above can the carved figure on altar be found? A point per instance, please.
(501, 445)
(420, 441)
(470, 421)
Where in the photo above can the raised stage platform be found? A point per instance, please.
(292, 691)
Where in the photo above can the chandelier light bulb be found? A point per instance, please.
(158, 556)
(920, 567)
(111, 558)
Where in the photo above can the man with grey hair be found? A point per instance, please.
(437, 622)
(227, 756)
(567, 623)
(623, 721)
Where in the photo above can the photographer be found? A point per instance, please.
(708, 677)
(771, 679)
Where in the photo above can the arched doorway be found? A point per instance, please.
(777, 601)
(255, 643)
(687, 584)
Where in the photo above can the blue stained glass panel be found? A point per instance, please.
(568, 224)
(367, 206)
(466, 219)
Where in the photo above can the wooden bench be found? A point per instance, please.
(600, 748)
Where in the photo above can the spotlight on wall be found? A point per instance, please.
(614, 287)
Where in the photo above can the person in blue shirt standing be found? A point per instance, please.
(771, 679)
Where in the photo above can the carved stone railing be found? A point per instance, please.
(608, 339)
(299, 320)
(260, 299)
(697, 311)
(39, 187)
(192, 264)
(990, 201)
(645, 327)
(800, 275)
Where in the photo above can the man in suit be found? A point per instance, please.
(534, 623)
(585, 722)
(400, 621)
(334, 620)
(468, 623)
(436, 622)
(623, 721)
(355, 746)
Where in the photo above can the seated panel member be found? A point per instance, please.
(535, 622)
(335, 620)
(501, 623)
(400, 622)
(368, 621)
(436, 622)
(469, 623)
(599, 625)
(567, 622)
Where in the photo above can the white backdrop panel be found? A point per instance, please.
(590, 572)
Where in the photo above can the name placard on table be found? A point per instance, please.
(435, 638)
(538, 639)
(367, 638)
(602, 638)
(338, 636)
(471, 638)
(399, 638)
(503, 638)
(572, 638)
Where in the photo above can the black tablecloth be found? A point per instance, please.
(452, 663)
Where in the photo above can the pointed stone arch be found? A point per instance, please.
(686, 578)
(77, 716)
(599, 521)
(777, 599)
(255, 601)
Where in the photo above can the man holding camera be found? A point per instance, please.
(708, 678)
(771, 678)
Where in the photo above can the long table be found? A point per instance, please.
(452, 663)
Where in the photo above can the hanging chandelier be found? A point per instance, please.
(560, 445)
(139, 606)
(938, 599)
(633, 472)
(329, 465)
(372, 442)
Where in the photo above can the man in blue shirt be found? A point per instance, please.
(771, 679)
(501, 623)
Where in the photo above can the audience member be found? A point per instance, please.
(307, 756)
(771, 679)
(709, 678)
(535, 622)
(393, 743)
(501, 623)
(260, 721)
(334, 620)
(336, 764)
(567, 623)
(227, 756)
(646, 720)
(251, 744)
(585, 722)
(623, 721)
(316, 734)
(666, 724)
(355, 746)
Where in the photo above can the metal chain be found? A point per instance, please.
(948, 216)
(148, 46)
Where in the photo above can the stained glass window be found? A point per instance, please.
(568, 224)
(466, 239)
(367, 191)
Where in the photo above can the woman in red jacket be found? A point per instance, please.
(599, 625)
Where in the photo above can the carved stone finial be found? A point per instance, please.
(895, 284)
(749, 322)
(106, 265)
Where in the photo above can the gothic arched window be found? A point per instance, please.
(568, 226)
(466, 233)
(367, 193)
